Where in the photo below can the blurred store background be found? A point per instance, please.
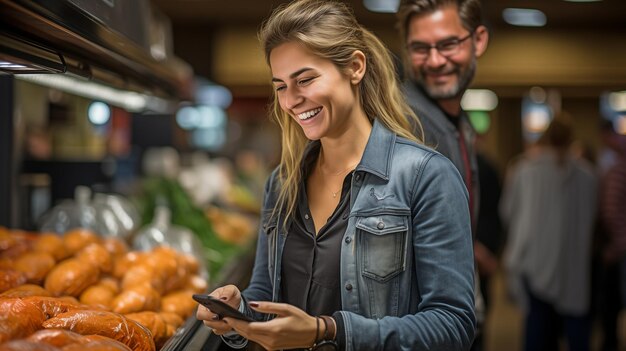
(158, 108)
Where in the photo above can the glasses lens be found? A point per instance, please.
(419, 50)
(445, 48)
(448, 47)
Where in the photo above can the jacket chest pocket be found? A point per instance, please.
(382, 244)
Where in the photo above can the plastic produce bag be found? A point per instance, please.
(116, 213)
(107, 215)
(162, 232)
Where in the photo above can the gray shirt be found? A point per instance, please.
(550, 212)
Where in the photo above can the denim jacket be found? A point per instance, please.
(406, 257)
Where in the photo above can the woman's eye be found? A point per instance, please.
(304, 81)
(280, 88)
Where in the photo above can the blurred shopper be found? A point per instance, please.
(489, 232)
(365, 241)
(549, 203)
(613, 220)
(443, 40)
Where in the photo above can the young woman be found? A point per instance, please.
(365, 241)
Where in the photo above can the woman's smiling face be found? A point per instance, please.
(312, 90)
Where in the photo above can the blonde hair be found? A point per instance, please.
(330, 31)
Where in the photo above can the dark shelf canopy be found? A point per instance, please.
(39, 36)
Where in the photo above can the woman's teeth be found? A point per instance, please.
(306, 115)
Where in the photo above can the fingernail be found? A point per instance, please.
(217, 317)
(253, 304)
(224, 298)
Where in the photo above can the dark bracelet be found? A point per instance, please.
(331, 332)
(325, 327)
(317, 330)
(327, 343)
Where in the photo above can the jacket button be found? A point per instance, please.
(306, 216)
(380, 225)
(348, 240)
(348, 286)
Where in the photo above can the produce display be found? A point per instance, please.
(80, 291)
(162, 232)
(183, 212)
(231, 227)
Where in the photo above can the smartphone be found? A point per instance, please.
(220, 307)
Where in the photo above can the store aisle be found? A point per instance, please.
(504, 325)
(503, 330)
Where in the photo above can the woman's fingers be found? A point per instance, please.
(218, 327)
(229, 294)
(279, 309)
(203, 313)
(212, 320)
(292, 328)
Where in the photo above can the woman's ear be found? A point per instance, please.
(356, 69)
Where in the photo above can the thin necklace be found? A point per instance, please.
(342, 172)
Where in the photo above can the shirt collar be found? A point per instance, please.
(311, 152)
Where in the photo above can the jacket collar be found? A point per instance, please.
(378, 151)
(376, 158)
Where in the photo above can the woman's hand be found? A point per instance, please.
(292, 327)
(229, 294)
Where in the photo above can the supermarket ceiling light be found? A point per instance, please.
(383, 6)
(617, 101)
(128, 100)
(201, 117)
(10, 65)
(99, 113)
(187, 117)
(479, 100)
(210, 117)
(524, 17)
(214, 95)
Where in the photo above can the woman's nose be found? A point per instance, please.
(292, 98)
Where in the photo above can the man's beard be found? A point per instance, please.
(441, 93)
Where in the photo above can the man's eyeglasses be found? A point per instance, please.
(447, 48)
